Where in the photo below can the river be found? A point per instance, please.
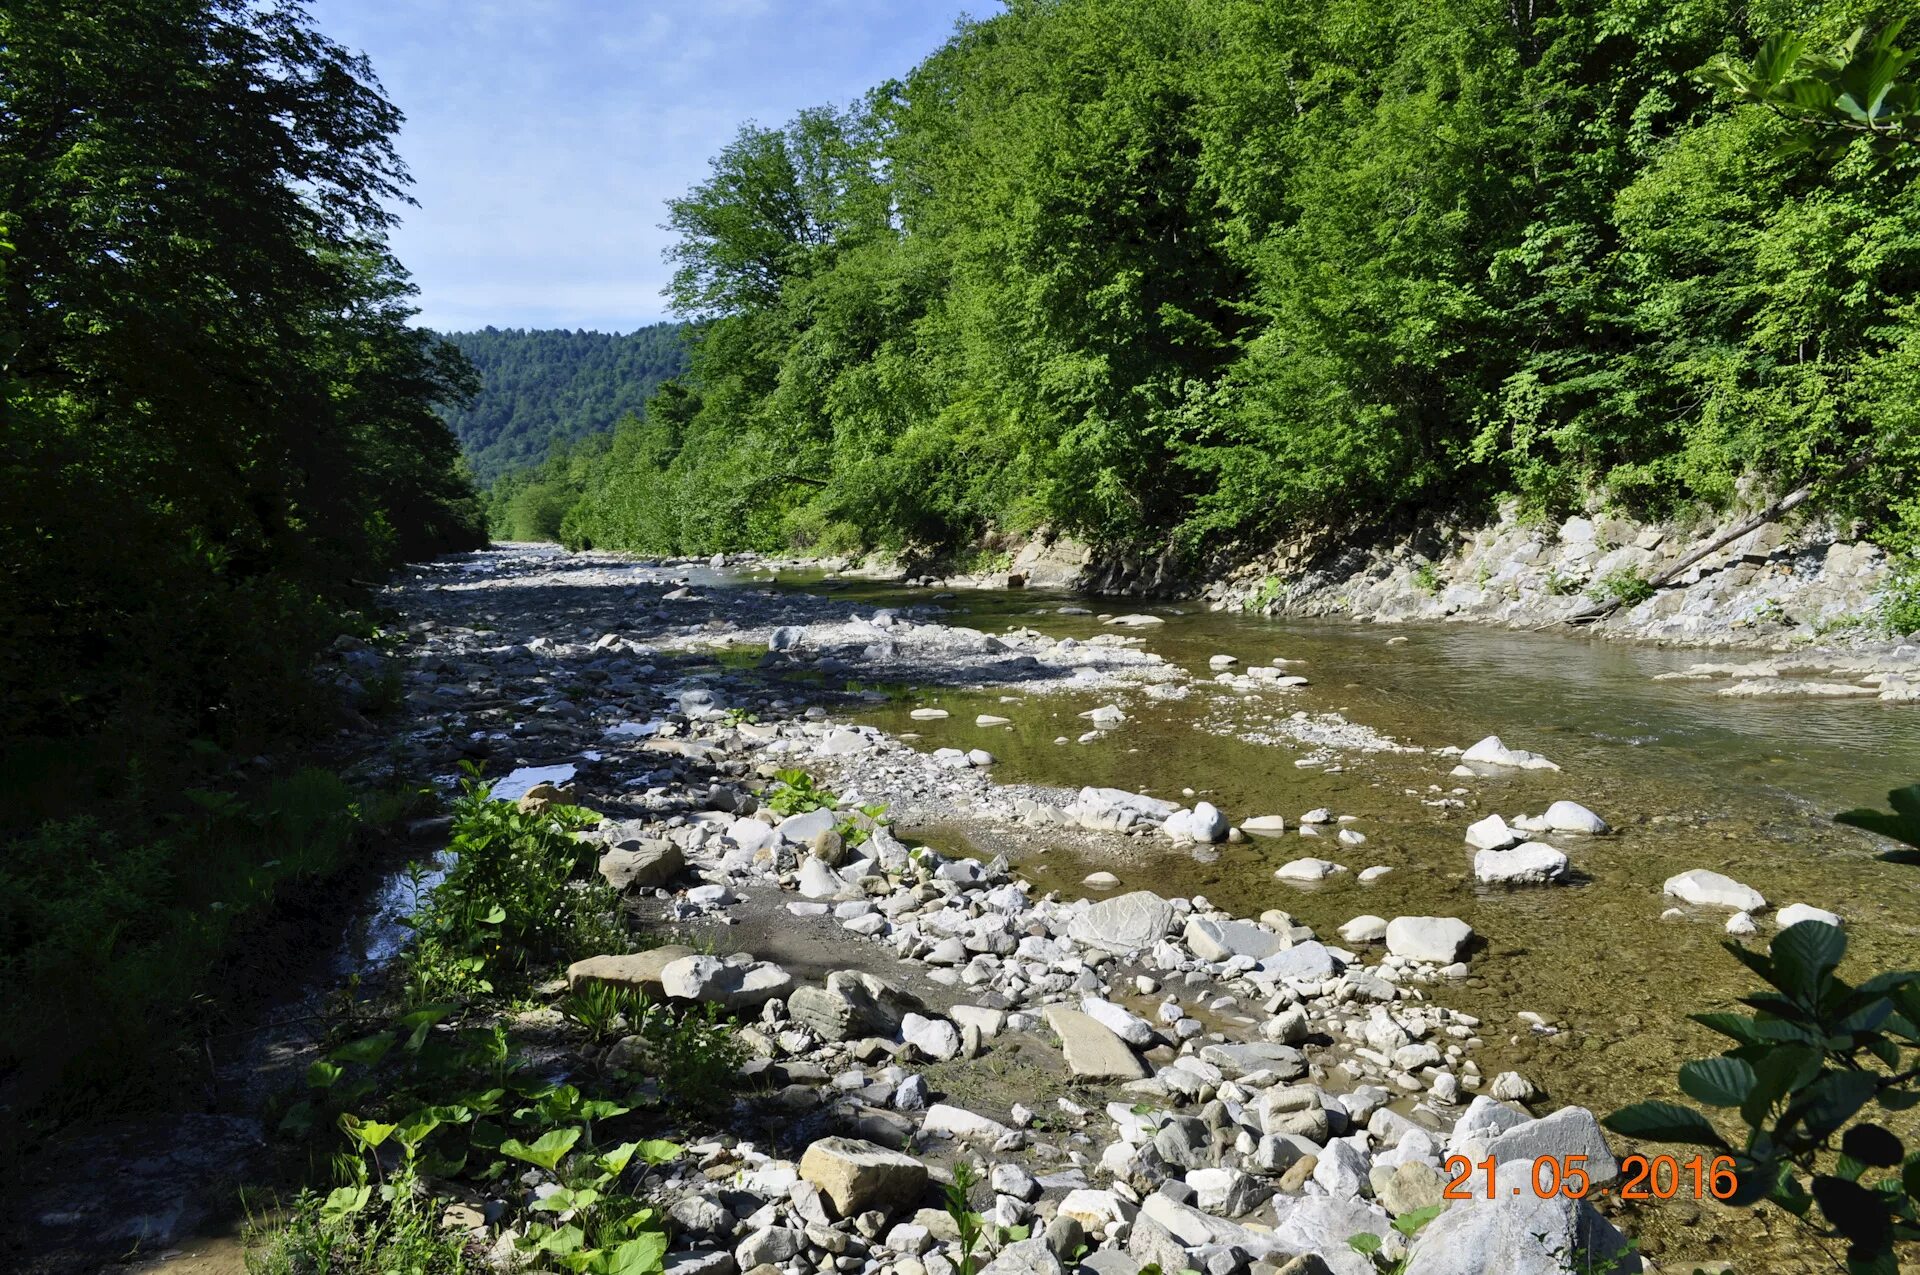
(1687, 778)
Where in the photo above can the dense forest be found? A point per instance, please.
(218, 426)
(1159, 272)
(541, 387)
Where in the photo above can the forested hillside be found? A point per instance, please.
(538, 387)
(1155, 271)
(218, 426)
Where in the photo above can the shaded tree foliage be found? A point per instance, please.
(1152, 270)
(217, 425)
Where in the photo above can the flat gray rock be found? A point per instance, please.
(1126, 923)
(1092, 1050)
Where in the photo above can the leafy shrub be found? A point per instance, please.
(1898, 608)
(1814, 1054)
(1627, 587)
(511, 896)
(794, 793)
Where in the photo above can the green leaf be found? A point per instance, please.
(641, 1256)
(1872, 1145)
(1718, 1082)
(1664, 1122)
(367, 1133)
(369, 1050)
(1365, 1242)
(344, 1201)
(547, 1152)
(1829, 1102)
(1804, 955)
(1409, 1223)
(1855, 1212)
(660, 1151)
(1783, 1070)
(322, 1074)
(1740, 1027)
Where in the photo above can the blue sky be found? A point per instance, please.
(545, 135)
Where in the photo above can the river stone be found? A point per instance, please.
(818, 881)
(1323, 1226)
(1235, 1061)
(1306, 870)
(1294, 1110)
(1126, 923)
(1491, 833)
(786, 637)
(1303, 960)
(1404, 1187)
(769, 1246)
(638, 971)
(1531, 864)
(858, 1176)
(1491, 752)
(1223, 940)
(645, 866)
(1265, 825)
(1438, 939)
(935, 1038)
(1092, 1050)
(1794, 913)
(1711, 889)
(1567, 1132)
(1571, 816)
(1518, 1235)
(801, 829)
(1365, 928)
(1024, 1257)
(852, 1005)
(710, 980)
(957, 1122)
(1130, 1027)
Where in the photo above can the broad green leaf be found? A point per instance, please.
(1664, 1122)
(368, 1050)
(1804, 955)
(547, 1152)
(1409, 1223)
(660, 1151)
(642, 1256)
(1365, 1242)
(1718, 1082)
(344, 1201)
(322, 1074)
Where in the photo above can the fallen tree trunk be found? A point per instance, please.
(1785, 504)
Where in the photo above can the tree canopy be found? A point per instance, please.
(1157, 271)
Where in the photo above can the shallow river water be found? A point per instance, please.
(1688, 780)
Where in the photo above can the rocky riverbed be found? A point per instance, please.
(1143, 1078)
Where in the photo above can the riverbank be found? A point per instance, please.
(1031, 758)
(1801, 590)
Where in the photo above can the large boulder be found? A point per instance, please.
(1223, 940)
(644, 865)
(1439, 939)
(636, 971)
(1570, 1131)
(1491, 833)
(730, 985)
(852, 1005)
(1518, 1235)
(858, 1176)
(1092, 1050)
(1126, 923)
(1714, 890)
(1530, 864)
(1571, 816)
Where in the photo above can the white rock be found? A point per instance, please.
(1265, 825)
(1100, 880)
(1491, 752)
(935, 1038)
(1306, 870)
(1491, 833)
(1740, 924)
(1710, 889)
(1365, 928)
(1369, 875)
(1794, 913)
(1438, 939)
(957, 1122)
(1532, 864)
(1126, 923)
(928, 714)
(1127, 1026)
(1571, 816)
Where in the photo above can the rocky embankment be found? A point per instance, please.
(1140, 1081)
